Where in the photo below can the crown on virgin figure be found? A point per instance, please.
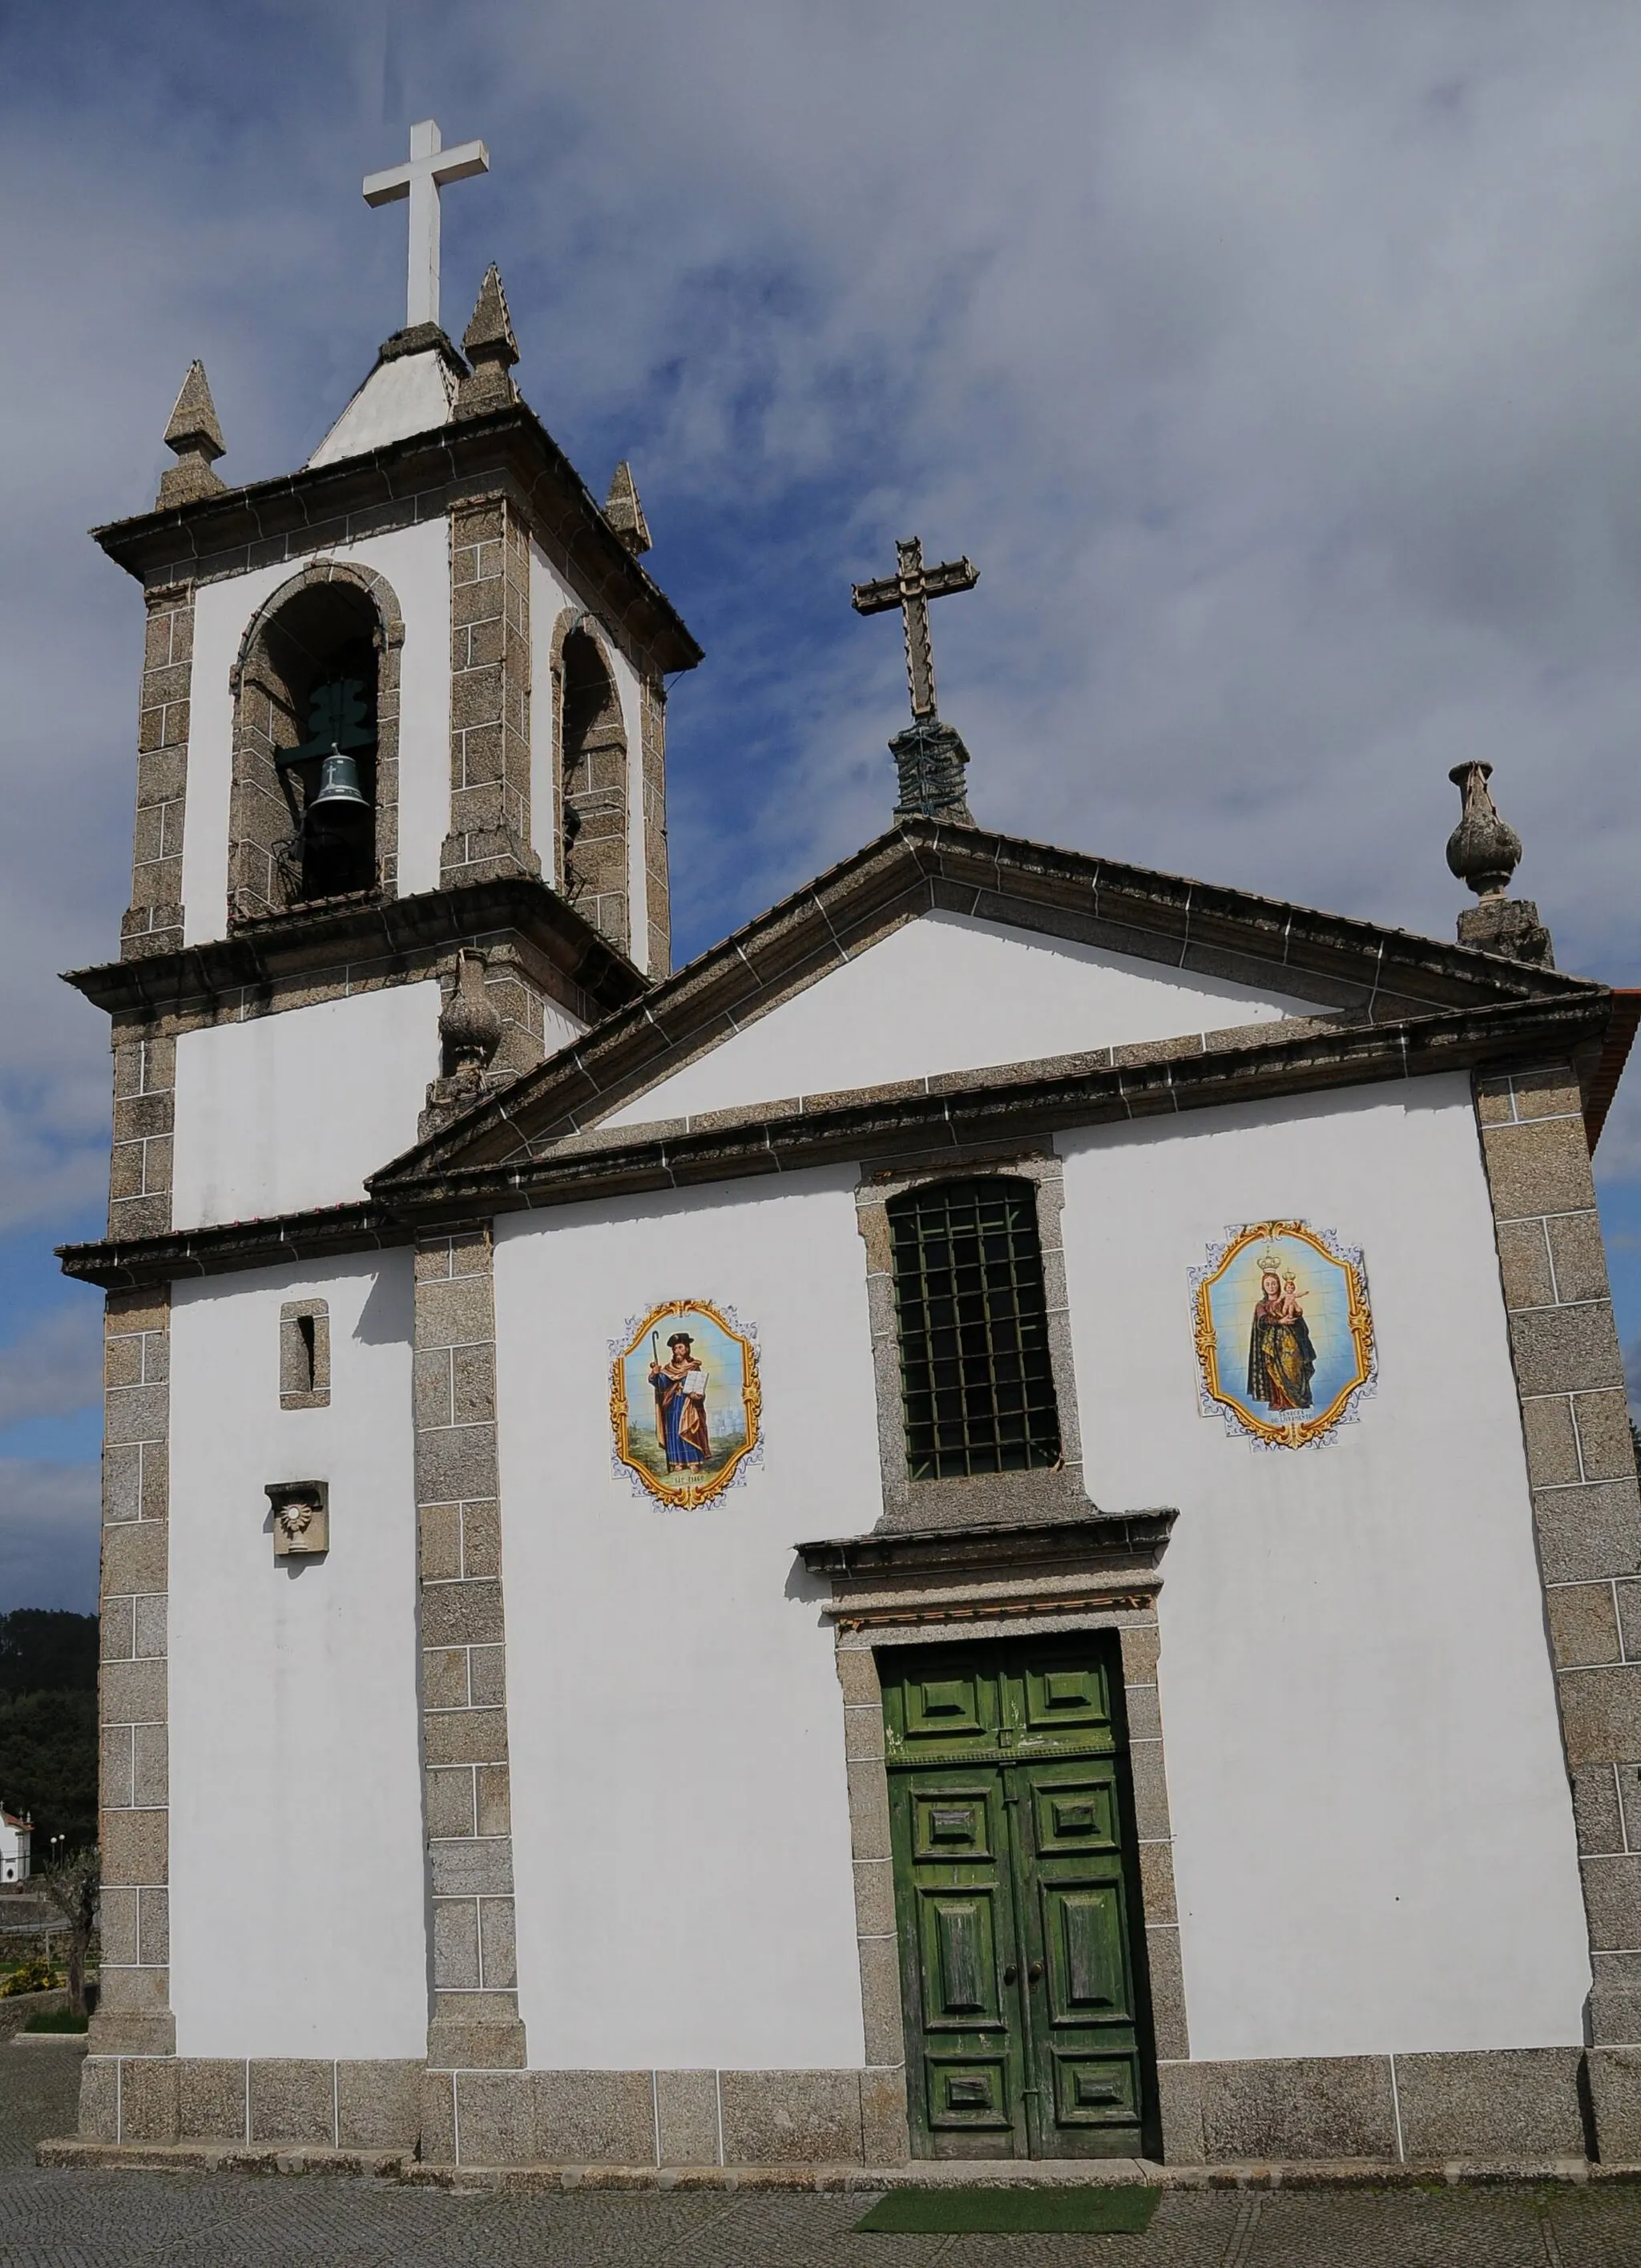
(1270, 1265)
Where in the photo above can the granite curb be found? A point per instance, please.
(986, 2173)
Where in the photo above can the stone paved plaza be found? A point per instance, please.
(119, 2219)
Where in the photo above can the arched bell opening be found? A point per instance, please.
(594, 742)
(307, 808)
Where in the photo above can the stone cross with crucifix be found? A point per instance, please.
(930, 755)
(430, 166)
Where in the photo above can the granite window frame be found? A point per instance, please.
(265, 874)
(305, 1354)
(592, 768)
(1046, 1492)
(971, 1309)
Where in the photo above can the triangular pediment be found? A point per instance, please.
(944, 992)
(939, 958)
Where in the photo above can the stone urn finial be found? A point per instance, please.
(469, 1029)
(1482, 850)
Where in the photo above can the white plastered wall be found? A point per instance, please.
(296, 1924)
(949, 992)
(550, 597)
(1373, 1836)
(415, 562)
(286, 1111)
(681, 1817)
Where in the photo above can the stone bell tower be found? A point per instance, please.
(400, 832)
(401, 734)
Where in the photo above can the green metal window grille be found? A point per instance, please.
(975, 1374)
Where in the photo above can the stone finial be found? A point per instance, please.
(469, 1029)
(624, 512)
(490, 347)
(1483, 851)
(469, 1034)
(930, 757)
(195, 439)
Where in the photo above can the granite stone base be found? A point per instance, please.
(1483, 2105)
(1490, 2107)
(498, 2118)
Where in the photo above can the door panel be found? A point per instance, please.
(972, 2096)
(1027, 2031)
(1071, 1818)
(955, 1888)
(1066, 1701)
(1086, 1973)
(950, 1707)
(959, 1959)
(944, 1706)
(1085, 2040)
(1092, 2092)
(954, 1820)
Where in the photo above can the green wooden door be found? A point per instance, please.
(1021, 1951)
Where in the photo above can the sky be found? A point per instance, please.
(1279, 366)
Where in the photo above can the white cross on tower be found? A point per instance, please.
(430, 166)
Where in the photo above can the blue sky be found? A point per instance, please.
(1280, 367)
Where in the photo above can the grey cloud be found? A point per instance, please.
(48, 1535)
(55, 1367)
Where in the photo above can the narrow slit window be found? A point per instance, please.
(304, 1355)
(977, 1375)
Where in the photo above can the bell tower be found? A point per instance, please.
(401, 770)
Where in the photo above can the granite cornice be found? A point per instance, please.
(977, 1548)
(309, 941)
(129, 1264)
(507, 450)
(920, 1120)
(1207, 919)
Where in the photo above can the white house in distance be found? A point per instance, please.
(15, 1837)
(998, 1521)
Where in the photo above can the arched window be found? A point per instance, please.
(595, 777)
(314, 749)
(976, 1378)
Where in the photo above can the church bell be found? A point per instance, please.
(339, 810)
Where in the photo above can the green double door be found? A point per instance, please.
(1021, 1942)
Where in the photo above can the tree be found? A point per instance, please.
(49, 1766)
(48, 1724)
(72, 1885)
(45, 1650)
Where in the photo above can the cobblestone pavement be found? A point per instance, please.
(52, 2219)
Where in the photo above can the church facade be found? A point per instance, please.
(996, 1521)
